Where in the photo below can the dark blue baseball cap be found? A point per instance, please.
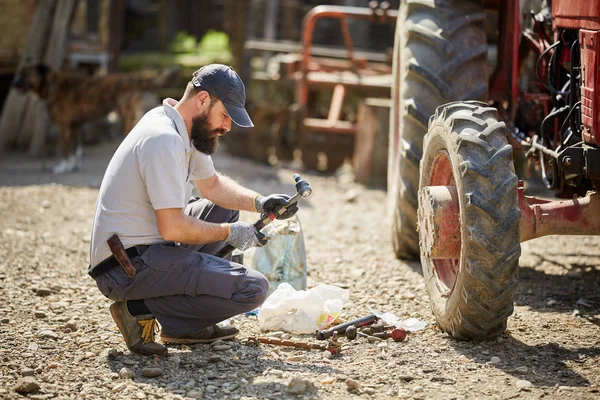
(223, 82)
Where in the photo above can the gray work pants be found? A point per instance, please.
(185, 286)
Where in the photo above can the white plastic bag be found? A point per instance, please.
(283, 259)
(301, 311)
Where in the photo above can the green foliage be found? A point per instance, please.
(184, 51)
(183, 43)
(214, 42)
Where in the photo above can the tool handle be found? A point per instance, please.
(117, 249)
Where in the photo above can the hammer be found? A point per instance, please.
(302, 190)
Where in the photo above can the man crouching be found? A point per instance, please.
(169, 237)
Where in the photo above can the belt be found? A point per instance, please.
(112, 262)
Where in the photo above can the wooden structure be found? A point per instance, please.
(371, 142)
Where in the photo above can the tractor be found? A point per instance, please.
(476, 86)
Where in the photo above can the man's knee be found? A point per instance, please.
(255, 290)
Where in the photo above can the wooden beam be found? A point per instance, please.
(54, 58)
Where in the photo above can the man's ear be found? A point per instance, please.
(202, 99)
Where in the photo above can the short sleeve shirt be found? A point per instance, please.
(153, 168)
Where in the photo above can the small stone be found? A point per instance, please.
(418, 389)
(129, 361)
(286, 336)
(39, 314)
(151, 372)
(221, 347)
(495, 360)
(211, 388)
(551, 302)
(195, 394)
(327, 355)
(370, 391)
(352, 385)
(5, 320)
(277, 334)
(276, 372)
(43, 292)
(70, 325)
(299, 386)
(327, 380)
(53, 365)
(126, 373)
(215, 359)
(523, 384)
(26, 385)
(119, 386)
(27, 372)
(47, 334)
(521, 370)
(112, 354)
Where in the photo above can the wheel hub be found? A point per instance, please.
(438, 223)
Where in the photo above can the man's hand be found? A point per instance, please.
(271, 203)
(243, 235)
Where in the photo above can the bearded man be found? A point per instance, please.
(171, 237)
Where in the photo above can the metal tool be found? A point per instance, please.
(332, 348)
(303, 189)
(324, 334)
(397, 334)
(351, 332)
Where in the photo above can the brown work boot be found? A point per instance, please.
(138, 331)
(206, 335)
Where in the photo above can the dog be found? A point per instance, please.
(73, 100)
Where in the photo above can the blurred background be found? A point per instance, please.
(307, 70)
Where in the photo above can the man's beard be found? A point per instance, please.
(204, 139)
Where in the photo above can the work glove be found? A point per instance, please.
(271, 203)
(243, 235)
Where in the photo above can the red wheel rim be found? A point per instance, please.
(446, 270)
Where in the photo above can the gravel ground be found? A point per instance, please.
(57, 339)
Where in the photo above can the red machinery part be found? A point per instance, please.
(539, 218)
(576, 14)
(589, 41)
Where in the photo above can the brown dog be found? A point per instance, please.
(73, 100)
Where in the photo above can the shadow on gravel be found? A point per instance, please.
(575, 292)
(544, 365)
(243, 370)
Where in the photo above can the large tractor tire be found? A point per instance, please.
(440, 54)
(466, 151)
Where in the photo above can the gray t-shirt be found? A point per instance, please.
(153, 168)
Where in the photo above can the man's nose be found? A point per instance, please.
(227, 125)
